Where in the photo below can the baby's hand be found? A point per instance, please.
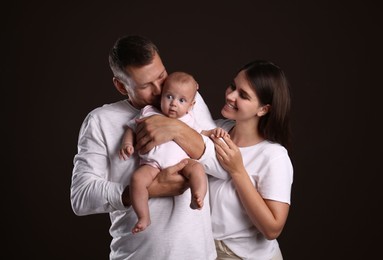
(126, 151)
(217, 132)
(220, 133)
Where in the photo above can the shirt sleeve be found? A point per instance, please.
(202, 114)
(91, 192)
(209, 157)
(276, 179)
(210, 162)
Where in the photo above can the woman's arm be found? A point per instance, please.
(268, 216)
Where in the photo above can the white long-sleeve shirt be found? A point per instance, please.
(100, 176)
(271, 172)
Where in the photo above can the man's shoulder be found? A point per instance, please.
(119, 107)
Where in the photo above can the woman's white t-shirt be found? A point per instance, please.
(270, 170)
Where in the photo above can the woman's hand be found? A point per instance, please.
(228, 154)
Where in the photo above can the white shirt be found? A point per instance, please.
(100, 176)
(271, 172)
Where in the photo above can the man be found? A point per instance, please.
(100, 181)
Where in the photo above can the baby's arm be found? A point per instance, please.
(217, 132)
(127, 148)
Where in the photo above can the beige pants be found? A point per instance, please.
(224, 253)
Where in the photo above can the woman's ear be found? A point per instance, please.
(264, 110)
(120, 86)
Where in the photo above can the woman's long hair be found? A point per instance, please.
(271, 86)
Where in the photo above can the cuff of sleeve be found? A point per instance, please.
(115, 196)
(210, 162)
(209, 149)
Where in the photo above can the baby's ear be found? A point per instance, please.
(192, 105)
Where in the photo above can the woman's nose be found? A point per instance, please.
(231, 95)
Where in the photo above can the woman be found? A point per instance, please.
(250, 172)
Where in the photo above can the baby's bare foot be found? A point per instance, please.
(141, 225)
(196, 202)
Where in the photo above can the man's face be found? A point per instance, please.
(145, 83)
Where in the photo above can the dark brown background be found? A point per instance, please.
(55, 70)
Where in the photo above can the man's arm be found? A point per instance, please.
(167, 183)
(155, 130)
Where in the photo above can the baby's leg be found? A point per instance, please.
(141, 179)
(195, 173)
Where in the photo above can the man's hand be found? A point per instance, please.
(155, 130)
(169, 182)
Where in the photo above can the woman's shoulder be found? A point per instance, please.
(273, 150)
(225, 124)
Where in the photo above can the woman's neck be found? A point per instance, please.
(245, 134)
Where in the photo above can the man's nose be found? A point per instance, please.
(157, 88)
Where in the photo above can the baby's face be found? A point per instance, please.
(177, 99)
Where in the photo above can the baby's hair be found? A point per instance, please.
(182, 78)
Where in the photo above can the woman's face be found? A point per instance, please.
(241, 100)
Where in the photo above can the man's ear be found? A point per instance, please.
(264, 110)
(120, 86)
